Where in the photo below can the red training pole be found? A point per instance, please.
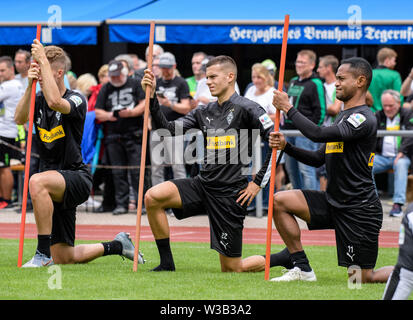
(27, 164)
(274, 151)
(143, 154)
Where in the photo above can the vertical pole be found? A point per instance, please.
(143, 154)
(274, 151)
(27, 164)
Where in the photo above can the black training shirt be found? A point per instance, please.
(347, 151)
(229, 131)
(59, 135)
(175, 90)
(113, 99)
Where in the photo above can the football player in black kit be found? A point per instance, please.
(220, 190)
(400, 283)
(350, 205)
(64, 181)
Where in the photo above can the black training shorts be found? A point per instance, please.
(357, 229)
(78, 186)
(7, 153)
(226, 216)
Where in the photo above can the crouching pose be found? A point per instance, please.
(64, 181)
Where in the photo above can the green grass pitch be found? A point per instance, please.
(198, 277)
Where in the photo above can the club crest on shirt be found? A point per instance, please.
(266, 121)
(76, 99)
(230, 117)
(356, 119)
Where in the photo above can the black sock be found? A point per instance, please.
(112, 247)
(5, 200)
(165, 253)
(43, 244)
(282, 258)
(300, 260)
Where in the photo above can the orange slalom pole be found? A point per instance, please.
(274, 151)
(27, 164)
(143, 153)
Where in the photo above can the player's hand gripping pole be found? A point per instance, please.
(27, 163)
(274, 151)
(144, 147)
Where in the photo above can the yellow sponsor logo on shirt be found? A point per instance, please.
(223, 142)
(371, 159)
(393, 128)
(335, 147)
(52, 135)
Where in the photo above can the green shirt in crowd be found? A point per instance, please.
(383, 79)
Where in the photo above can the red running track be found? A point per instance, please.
(387, 239)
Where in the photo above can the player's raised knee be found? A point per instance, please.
(279, 201)
(36, 185)
(153, 198)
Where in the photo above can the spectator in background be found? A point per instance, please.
(119, 106)
(197, 70)
(126, 58)
(272, 69)
(306, 94)
(11, 91)
(407, 90)
(157, 51)
(22, 64)
(327, 69)
(384, 76)
(173, 96)
(262, 92)
(407, 86)
(392, 152)
(71, 77)
(103, 78)
(136, 61)
(101, 175)
(202, 95)
(85, 82)
(262, 89)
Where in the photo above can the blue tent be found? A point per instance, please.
(261, 22)
(63, 22)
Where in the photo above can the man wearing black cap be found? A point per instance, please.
(173, 96)
(120, 105)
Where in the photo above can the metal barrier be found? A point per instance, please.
(297, 133)
(380, 133)
(257, 157)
